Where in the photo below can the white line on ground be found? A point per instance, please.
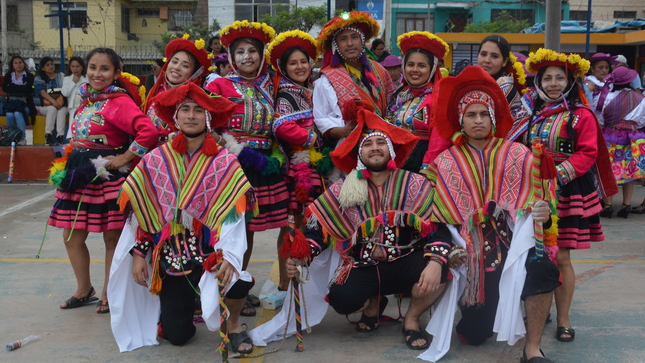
(27, 203)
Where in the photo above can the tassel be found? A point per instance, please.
(179, 143)
(123, 200)
(391, 165)
(155, 283)
(363, 174)
(210, 147)
(547, 165)
(300, 248)
(302, 193)
(285, 248)
(459, 138)
(210, 262)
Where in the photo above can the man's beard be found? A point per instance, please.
(376, 168)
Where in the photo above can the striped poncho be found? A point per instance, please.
(471, 185)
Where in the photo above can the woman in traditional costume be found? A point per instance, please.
(623, 118)
(95, 165)
(292, 54)
(249, 132)
(600, 68)
(499, 62)
(411, 105)
(573, 138)
(185, 62)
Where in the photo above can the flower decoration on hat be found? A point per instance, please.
(134, 87)
(218, 110)
(517, 70)
(428, 42)
(357, 20)
(287, 40)
(246, 29)
(542, 58)
(454, 94)
(424, 40)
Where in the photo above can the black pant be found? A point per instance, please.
(476, 324)
(178, 306)
(395, 277)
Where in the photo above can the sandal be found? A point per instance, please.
(254, 300)
(639, 209)
(103, 304)
(411, 336)
(542, 359)
(372, 322)
(624, 211)
(607, 210)
(248, 309)
(74, 302)
(564, 330)
(237, 339)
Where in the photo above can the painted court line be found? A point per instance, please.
(27, 203)
(593, 272)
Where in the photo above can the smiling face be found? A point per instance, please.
(350, 44)
(554, 81)
(247, 59)
(477, 123)
(417, 69)
(375, 153)
(100, 71)
(298, 67)
(180, 68)
(600, 70)
(491, 58)
(191, 118)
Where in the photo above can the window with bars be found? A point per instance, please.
(624, 14)
(76, 17)
(580, 15)
(12, 18)
(125, 19)
(179, 18)
(407, 22)
(253, 10)
(148, 13)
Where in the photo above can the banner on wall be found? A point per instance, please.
(372, 7)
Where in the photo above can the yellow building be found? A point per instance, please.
(128, 26)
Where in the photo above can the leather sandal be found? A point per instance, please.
(372, 322)
(542, 359)
(74, 302)
(411, 336)
(562, 330)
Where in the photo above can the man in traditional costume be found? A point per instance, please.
(347, 74)
(188, 198)
(376, 218)
(485, 192)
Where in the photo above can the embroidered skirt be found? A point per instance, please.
(626, 146)
(578, 208)
(84, 204)
(272, 197)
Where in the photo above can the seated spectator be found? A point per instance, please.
(17, 85)
(48, 86)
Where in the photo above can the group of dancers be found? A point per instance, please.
(435, 189)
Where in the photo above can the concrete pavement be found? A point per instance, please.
(608, 309)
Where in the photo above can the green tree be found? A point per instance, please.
(298, 18)
(505, 23)
(196, 31)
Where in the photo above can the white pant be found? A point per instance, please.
(54, 116)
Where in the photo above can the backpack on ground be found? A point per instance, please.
(11, 134)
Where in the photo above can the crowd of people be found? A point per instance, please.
(464, 192)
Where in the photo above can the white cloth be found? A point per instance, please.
(509, 323)
(210, 78)
(134, 311)
(71, 91)
(327, 113)
(322, 270)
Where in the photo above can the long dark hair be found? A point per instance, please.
(502, 44)
(284, 59)
(41, 73)
(81, 62)
(573, 98)
(115, 60)
(210, 41)
(11, 64)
